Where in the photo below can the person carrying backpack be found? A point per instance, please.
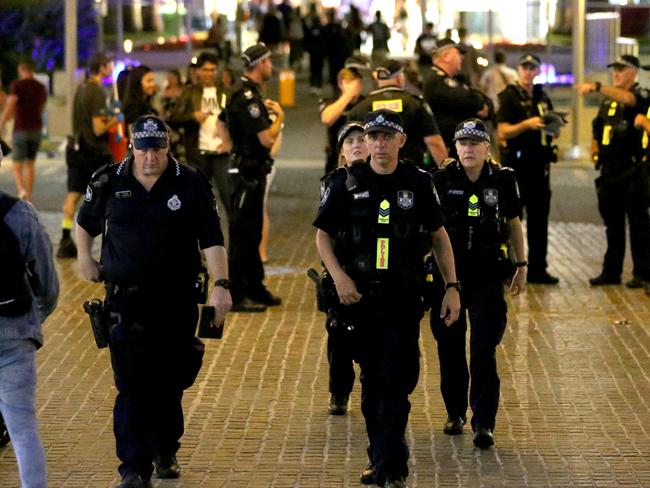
(29, 290)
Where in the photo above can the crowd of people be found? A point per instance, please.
(415, 213)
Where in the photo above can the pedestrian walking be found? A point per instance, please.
(25, 104)
(138, 98)
(377, 272)
(154, 215)
(481, 206)
(313, 28)
(380, 35)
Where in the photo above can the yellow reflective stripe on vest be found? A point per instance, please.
(540, 109)
(607, 132)
(644, 138)
(382, 253)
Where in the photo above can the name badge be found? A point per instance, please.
(123, 194)
(382, 253)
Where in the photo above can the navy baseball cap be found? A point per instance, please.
(345, 130)
(472, 129)
(358, 62)
(625, 61)
(388, 69)
(529, 58)
(255, 54)
(149, 132)
(383, 120)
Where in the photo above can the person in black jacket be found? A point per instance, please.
(480, 202)
(138, 97)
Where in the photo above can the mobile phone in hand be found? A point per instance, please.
(206, 328)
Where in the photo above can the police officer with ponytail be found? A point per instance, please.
(373, 232)
(480, 203)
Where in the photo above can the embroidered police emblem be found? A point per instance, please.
(405, 199)
(89, 194)
(254, 110)
(469, 125)
(380, 119)
(325, 196)
(150, 125)
(491, 196)
(174, 203)
(451, 83)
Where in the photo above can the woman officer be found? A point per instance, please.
(480, 201)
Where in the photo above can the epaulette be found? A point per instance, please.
(333, 173)
(101, 176)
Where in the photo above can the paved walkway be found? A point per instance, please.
(574, 367)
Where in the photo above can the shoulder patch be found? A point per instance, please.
(254, 110)
(248, 94)
(325, 194)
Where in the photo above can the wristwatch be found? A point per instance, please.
(453, 284)
(597, 86)
(521, 264)
(223, 283)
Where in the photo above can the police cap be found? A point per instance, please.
(530, 59)
(358, 62)
(253, 55)
(388, 69)
(345, 131)
(472, 129)
(446, 43)
(383, 120)
(625, 61)
(149, 132)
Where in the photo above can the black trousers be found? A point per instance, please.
(389, 356)
(152, 355)
(246, 220)
(215, 167)
(618, 199)
(340, 354)
(533, 178)
(483, 299)
(316, 63)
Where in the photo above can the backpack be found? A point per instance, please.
(15, 292)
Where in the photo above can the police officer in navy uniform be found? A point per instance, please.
(154, 214)
(424, 145)
(530, 152)
(255, 125)
(480, 202)
(450, 98)
(353, 150)
(618, 150)
(372, 234)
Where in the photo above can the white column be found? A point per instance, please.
(70, 56)
(578, 35)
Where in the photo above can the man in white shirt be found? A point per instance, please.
(497, 77)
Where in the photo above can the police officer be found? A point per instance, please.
(447, 94)
(253, 134)
(419, 123)
(353, 150)
(530, 152)
(334, 111)
(154, 215)
(369, 238)
(480, 202)
(618, 149)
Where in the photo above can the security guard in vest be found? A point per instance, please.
(424, 145)
(154, 214)
(618, 150)
(480, 202)
(530, 151)
(254, 125)
(450, 98)
(370, 238)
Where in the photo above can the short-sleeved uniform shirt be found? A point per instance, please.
(613, 129)
(473, 209)
(451, 100)
(515, 105)
(246, 116)
(419, 121)
(406, 194)
(90, 101)
(152, 237)
(31, 96)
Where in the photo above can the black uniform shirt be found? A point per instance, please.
(333, 130)
(515, 105)
(152, 238)
(613, 129)
(246, 116)
(419, 121)
(473, 210)
(451, 100)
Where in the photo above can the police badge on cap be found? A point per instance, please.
(383, 120)
(149, 132)
(472, 129)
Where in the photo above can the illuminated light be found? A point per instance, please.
(477, 44)
(331, 3)
(481, 61)
(128, 45)
(194, 60)
(184, 38)
(173, 39)
(160, 40)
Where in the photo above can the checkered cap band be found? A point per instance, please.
(254, 62)
(157, 134)
(467, 132)
(383, 123)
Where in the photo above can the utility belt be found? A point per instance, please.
(250, 168)
(544, 153)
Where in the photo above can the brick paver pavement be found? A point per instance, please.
(574, 367)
